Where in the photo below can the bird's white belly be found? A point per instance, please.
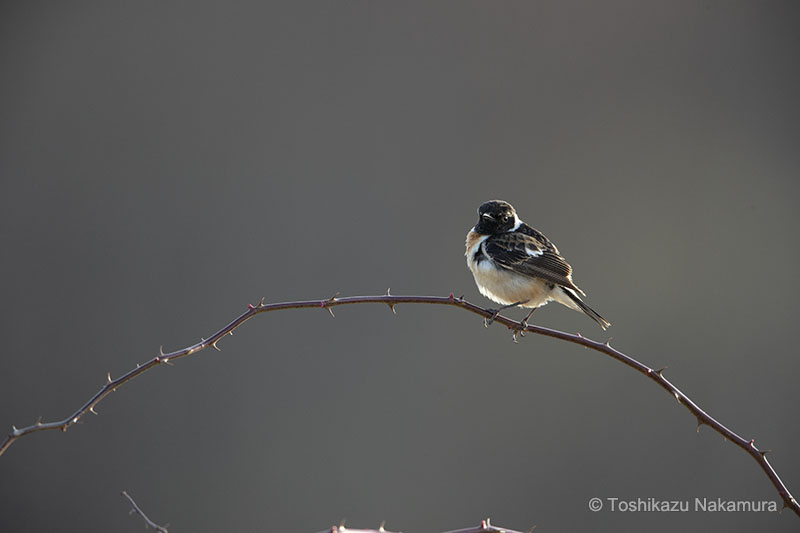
(504, 286)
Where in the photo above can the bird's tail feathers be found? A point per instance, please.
(594, 315)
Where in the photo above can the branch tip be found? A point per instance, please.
(147, 522)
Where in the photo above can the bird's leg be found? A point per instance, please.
(524, 322)
(488, 321)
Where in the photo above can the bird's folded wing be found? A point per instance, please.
(529, 256)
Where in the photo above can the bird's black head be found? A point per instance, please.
(495, 217)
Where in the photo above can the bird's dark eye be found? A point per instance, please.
(505, 218)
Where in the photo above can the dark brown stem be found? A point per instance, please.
(135, 509)
(516, 327)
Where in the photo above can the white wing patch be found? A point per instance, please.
(533, 253)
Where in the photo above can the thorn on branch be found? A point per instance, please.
(91, 410)
(214, 345)
(389, 291)
(326, 303)
(660, 371)
(677, 396)
(108, 378)
(261, 303)
(391, 306)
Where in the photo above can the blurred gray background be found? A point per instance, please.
(165, 163)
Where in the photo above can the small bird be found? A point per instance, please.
(516, 265)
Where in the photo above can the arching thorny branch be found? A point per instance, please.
(703, 418)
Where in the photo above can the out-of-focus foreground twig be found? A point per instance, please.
(484, 527)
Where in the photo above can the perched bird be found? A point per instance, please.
(516, 265)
